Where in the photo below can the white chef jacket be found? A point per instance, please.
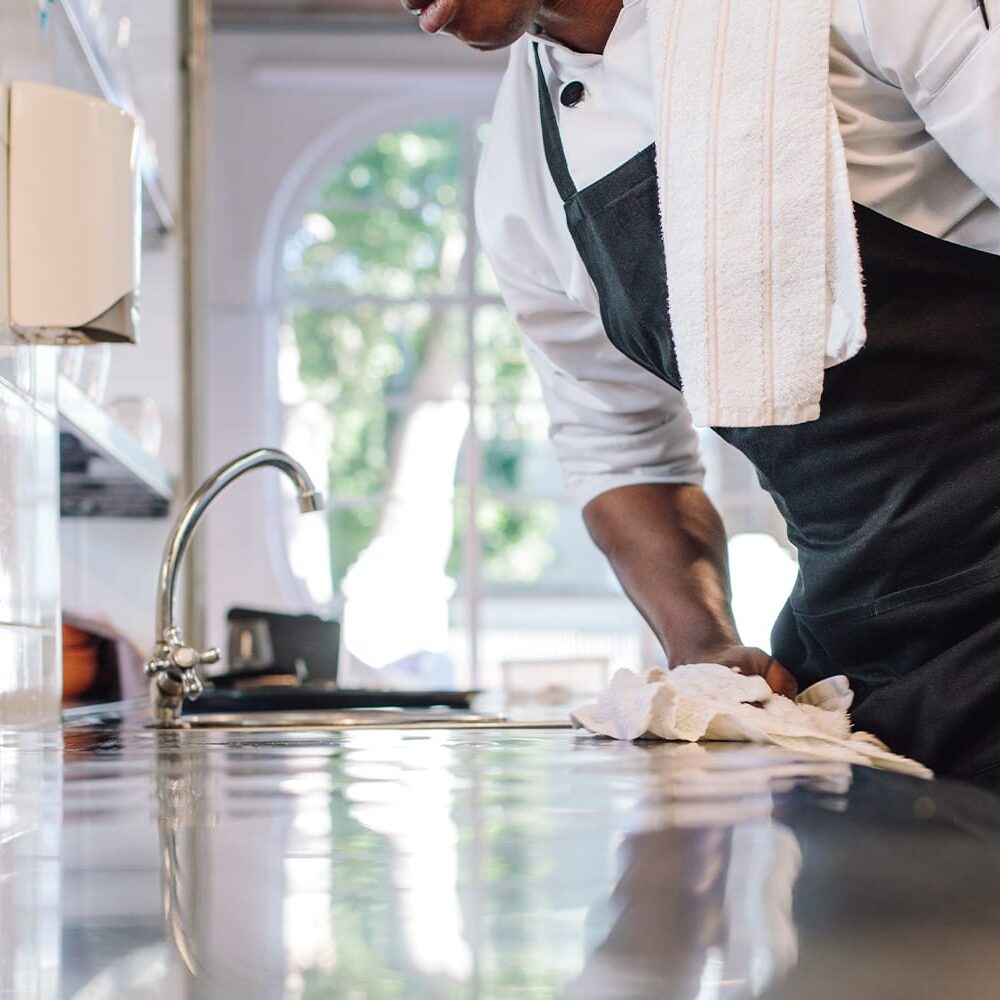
(917, 89)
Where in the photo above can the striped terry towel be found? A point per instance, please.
(762, 252)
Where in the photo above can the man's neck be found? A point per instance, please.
(582, 25)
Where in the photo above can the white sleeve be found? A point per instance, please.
(946, 61)
(612, 423)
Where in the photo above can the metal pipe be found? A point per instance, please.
(173, 663)
(195, 30)
(309, 500)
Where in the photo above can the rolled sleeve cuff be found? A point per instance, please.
(583, 489)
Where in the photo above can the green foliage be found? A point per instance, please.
(389, 222)
(351, 529)
(420, 164)
(514, 538)
(369, 352)
(377, 251)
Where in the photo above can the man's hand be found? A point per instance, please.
(753, 662)
(668, 547)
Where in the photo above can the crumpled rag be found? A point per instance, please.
(710, 702)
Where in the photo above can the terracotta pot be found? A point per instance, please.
(79, 662)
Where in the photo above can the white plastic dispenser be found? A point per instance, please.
(74, 219)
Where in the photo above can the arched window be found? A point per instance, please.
(451, 545)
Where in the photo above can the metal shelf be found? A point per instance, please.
(104, 472)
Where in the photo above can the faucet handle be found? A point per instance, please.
(174, 656)
(193, 686)
(188, 659)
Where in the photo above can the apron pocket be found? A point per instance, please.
(938, 589)
(898, 632)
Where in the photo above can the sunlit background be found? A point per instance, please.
(403, 383)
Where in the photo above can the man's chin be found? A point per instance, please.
(491, 46)
(500, 37)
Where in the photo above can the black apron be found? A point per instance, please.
(892, 497)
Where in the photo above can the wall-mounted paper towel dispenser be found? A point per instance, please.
(74, 215)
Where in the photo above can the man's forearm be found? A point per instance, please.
(667, 546)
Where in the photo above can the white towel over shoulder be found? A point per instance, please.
(762, 253)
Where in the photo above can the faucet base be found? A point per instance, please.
(167, 696)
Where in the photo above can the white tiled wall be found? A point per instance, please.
(29, 552)
(104, 570)
(30, 675)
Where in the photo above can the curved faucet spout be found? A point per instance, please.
(173, 664)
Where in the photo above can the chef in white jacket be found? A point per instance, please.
(892, 496)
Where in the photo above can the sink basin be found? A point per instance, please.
(318, 698)
(319, 708)
(361, 719)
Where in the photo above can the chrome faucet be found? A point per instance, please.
(173, 665)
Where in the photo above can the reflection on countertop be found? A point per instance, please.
(393, 864)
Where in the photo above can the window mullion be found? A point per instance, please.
(473, 543)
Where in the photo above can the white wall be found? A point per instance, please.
(110, 565)
(283, 105)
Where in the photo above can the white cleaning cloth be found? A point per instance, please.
(707, 701)
(762, 252)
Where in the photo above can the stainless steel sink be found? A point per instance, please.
(362, 719)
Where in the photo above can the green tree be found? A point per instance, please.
(372, 270)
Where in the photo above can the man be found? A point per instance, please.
(892, 496)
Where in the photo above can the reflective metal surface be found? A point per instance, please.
(491, 863)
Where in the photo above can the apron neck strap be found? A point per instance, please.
(555, 154)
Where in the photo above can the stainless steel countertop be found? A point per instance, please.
(388, 864)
